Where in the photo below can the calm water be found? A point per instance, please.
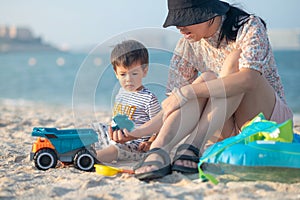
(63, 78)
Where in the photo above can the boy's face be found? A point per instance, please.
(130, 78)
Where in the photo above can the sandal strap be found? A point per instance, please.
(186, 157)
(162, 153)
(189, 147)
(156, 163)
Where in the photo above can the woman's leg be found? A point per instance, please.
(196, 125)
(218, 105)
(218, 114)
(177, 126)
(216, 120)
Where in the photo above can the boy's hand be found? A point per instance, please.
(145, 146)
(120, 136)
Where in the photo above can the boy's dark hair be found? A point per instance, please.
(235, 18)
(128, 52)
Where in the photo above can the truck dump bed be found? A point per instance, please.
(68, 139)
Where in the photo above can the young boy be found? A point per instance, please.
(130, 63)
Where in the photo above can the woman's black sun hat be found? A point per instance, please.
(189, 12)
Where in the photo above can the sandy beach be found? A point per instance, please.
(19, 179)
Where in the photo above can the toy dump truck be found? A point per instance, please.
(69, 146)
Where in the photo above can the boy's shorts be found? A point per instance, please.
(126, 151)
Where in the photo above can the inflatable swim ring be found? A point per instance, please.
(264, 150)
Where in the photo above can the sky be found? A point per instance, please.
(69, 23)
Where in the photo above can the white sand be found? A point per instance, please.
(19, 179)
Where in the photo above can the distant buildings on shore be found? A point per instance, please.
(14, 39)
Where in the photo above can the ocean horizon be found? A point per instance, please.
(79, 79)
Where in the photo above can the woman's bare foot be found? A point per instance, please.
(186, 163)
(186, 159)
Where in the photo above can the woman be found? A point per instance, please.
(239, 80)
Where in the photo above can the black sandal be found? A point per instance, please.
(181, 168)
(164, 168)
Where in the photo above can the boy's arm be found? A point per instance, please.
(148, 128)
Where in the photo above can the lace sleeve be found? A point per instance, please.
(182, 70)
(253, 41)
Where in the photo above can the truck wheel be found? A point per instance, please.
(45, 159)
(84, 160)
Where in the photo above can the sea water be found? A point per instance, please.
(80, 78)
(71, 78)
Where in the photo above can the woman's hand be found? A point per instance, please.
(173, 102)
(120, 136)
(231, 63)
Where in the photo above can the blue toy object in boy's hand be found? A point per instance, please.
(121, 122)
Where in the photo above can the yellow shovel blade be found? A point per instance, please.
(110, 171)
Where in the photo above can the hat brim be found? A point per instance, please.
(195, 15)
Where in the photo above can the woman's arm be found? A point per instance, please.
(230, 85)
(232, 82)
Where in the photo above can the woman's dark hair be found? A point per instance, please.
(235, 18)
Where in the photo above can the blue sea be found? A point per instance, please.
(84, 79)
